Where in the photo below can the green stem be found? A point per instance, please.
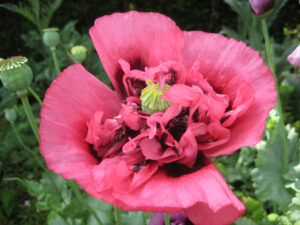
(167, 219)
(117, 215)
(25, 147)
(29, 114)
(54, 56)
(279, 105)
(82, 201)
(8, 179)
(36, 96)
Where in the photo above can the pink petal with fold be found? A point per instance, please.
(221, 60)
(69, 103)
(142, 39)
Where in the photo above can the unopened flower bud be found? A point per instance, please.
(272, 217)
(261, 6)
(15, 74)
(10, 115)
(151, 100)
(79, 53)
(51, 37)
(294, 57)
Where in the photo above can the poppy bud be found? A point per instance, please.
(51, 37)
(79, 53)
(294, 57)
(15, 74)
(10, 115)
(261, 6)
(151, 100)
(272, 217)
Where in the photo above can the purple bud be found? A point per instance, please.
(175, 219)
(294, 57)
(261, 6)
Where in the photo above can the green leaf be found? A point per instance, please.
(21, 9)
(294, 208)
(55, 185)
(102, 209)
(55, 219)
(134, 218)
(244, 221)
(255, 210)
(268, 176)
(35, 188)
(49, 10)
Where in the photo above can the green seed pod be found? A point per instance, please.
(51, 37)
(79, 53)
(272, 217)
(10, 115)
(15, 74)
(151, 102)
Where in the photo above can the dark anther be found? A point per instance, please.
(196, 116)
(176, 170)
(138, 86)
(162, 141)
(173, 77)
(177, 126)
(94, 153)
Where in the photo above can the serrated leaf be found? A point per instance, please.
(268, 176)
(55, 219)
(294, 208)
(35, 188)
(103, 210)
(20, 9)
(49, 10)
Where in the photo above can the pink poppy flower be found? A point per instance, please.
(220, 94)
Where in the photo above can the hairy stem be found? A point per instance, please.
(54, 56)
(279, 105)
(117, 215)
(75, 189)
(167, 219)
(36, 96)
(29, 115)
(25, 147)
(8, 179)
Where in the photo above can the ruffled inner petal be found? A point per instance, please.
(235, 70)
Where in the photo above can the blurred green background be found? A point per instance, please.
(209, 15)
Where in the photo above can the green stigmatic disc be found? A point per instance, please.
(151, 100)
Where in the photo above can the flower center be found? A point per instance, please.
(151, 100)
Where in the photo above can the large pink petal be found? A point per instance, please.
(171, 194)
(210, 217)
(223, 60)
(69, 104)
(142, 39)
